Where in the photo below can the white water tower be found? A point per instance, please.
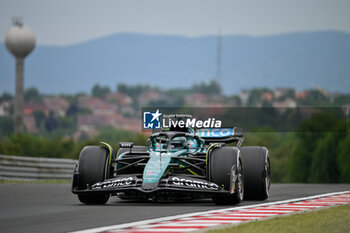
(20, 41)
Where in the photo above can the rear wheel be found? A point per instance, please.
(257, 172)
(221, 162)
(93, 167)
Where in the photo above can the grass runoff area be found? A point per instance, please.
(333, 219)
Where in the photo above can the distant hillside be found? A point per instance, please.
(301, 60)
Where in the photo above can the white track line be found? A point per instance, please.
(121, 227)
(186, 224)
(166, 230)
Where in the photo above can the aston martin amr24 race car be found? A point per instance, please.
(174, 165)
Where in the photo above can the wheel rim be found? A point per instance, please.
(239, 182)
(267, 176)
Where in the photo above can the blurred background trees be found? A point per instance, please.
(317, 150)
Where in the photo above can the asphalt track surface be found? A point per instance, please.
(53, 208)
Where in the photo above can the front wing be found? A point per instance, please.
(132, 183)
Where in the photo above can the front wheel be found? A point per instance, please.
(89, 199)
(222, 162)
(93, 167)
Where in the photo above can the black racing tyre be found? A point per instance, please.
(221, 162)
(95, 199)
(93, 167)
(257, 172)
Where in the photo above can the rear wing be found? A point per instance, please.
(220, 135)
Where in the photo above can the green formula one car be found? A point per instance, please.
(174, 165)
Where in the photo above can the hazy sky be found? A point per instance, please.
(63, 22)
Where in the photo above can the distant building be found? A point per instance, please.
(89, 121)
(301, 95)
(5, 108)
(57, 105)
(267, 96)
(323, 91)
(147, 97)
(32, 107)
(120, 99)
(100, 107)
(82, 101)
(244, 96)
(123, 102)
(284, 91)
(288, 103)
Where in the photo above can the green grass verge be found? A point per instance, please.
(35, 181)
(334, 219)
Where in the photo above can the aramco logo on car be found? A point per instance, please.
(154, 120)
